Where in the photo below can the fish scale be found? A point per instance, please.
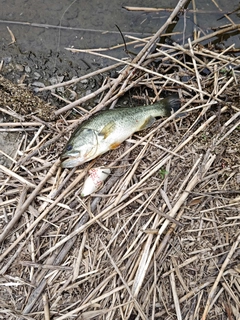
(106, 130)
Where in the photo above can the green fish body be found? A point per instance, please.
(106, 130)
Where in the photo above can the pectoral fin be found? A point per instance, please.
(147, 123)
(108, 129)
(114, 145)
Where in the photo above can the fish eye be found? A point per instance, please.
(69, 147)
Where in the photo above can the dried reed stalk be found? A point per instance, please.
(160, 236)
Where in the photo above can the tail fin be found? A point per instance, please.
(173, 103)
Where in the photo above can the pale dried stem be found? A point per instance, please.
(113, 248)
(87, 76)
(175, 296)
(17, 214)
(17, 176)
(220, 274)
(25, 206)
(46, 307)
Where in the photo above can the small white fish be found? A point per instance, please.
(95, 180)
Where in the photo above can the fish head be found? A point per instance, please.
(81, 147)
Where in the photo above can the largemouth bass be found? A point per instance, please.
(106, 130)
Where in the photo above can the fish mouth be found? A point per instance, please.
(65, 157)
(70, 162)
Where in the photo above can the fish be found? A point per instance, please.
(106, 130)
(95, 180)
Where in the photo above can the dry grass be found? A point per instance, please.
(161, 239)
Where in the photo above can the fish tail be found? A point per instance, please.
(171, 103)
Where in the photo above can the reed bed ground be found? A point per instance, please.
(160, 239)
